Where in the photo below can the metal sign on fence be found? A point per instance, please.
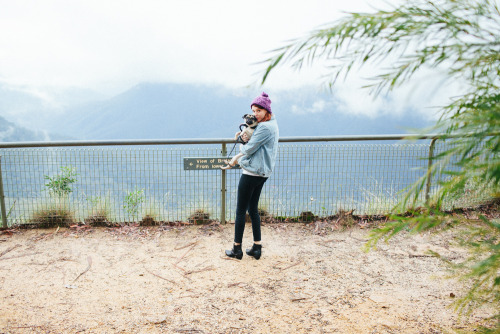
(205, 163)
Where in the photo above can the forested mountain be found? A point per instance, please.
(161, 110)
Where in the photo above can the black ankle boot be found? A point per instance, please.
(235, 252)
(255, 251)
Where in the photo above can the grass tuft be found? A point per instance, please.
(55, 213)
(306, 216)
(148, 220)
(199, 217)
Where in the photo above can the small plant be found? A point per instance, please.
(148, 220)
(264, 214)
(346, 219)
(8, 215)
(306, 216)
(151, 214)
(199, 217)
(132, 202)
(324, 211)
(93, 200)
(99, 214)
(59, 185)
(100, 217)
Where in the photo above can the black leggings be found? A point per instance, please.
(249, 190)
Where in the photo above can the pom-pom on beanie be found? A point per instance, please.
(262, 101)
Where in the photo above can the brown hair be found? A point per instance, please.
(267, 117)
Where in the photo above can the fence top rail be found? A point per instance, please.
(146, 142)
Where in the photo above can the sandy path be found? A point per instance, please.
(175, 280)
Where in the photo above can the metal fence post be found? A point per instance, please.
(223, 189)
(2, 198)
(429, 166)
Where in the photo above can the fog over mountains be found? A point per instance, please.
(165, 111)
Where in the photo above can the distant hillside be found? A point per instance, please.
(10, 132)
(151, 111)
(33, 108)
(154, 111)
(25, 112)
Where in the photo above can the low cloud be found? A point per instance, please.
(316, 107)
(113, 45)
(426, 94)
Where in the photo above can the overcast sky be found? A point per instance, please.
(111, 45)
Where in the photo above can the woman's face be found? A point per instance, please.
(259, 113)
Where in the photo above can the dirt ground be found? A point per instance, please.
(176, 280)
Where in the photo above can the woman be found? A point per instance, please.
(257, 163)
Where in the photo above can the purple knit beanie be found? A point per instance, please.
(262, 101)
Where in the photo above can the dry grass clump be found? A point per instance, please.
(148, 220)
(199, 217)
(265, 216)
(100, 212)
(54, 214)
(346, 219)
(98, 218)
(306, 216)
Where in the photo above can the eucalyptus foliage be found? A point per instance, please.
(60, 184)
(457, 38)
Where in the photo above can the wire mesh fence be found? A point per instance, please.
(123, 183)
(117, 184)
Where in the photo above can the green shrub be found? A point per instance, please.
(60, 184)
(133, 200)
